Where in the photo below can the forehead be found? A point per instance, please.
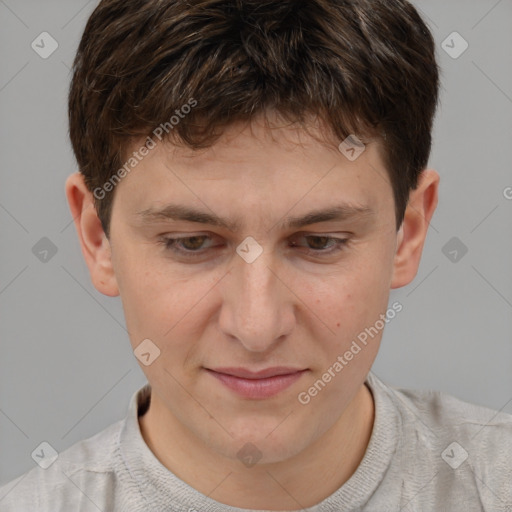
(267, 168)
(266, 132)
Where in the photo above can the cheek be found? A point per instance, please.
(152, 299)
(156, 306)
(167, 305)
(351, 298)
(350, 304)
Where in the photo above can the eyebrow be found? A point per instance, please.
(178, 212)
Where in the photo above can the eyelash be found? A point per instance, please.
(170, 244)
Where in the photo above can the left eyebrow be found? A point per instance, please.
(179, 212)
(335, 213)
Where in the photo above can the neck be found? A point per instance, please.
(301, 481)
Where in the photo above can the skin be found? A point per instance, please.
(285, 308)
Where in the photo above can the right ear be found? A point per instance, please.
(93, 241)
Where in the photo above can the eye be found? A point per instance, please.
(187, 245)
(194, 246)
(317, 244)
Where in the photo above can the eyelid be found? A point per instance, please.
(212, 236)
(338, 245)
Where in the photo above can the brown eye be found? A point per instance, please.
(319, 242)
(186, 245)
(322, 245)
(192, 243)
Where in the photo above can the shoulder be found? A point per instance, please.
(83, 473)
(450, 448)
(447, 415)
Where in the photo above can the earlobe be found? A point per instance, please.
(413, 231)
(93, 241)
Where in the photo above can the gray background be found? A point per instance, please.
(66, 366)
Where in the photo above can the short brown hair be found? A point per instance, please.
(364, 67)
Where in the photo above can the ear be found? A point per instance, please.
(413, 231)
(93, 241)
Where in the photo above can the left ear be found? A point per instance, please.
(413, 231)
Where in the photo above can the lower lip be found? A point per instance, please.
(258, 388)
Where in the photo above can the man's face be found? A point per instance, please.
(300, 303)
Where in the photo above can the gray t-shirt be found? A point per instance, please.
(428, 451)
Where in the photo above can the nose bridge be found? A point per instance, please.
(254, 304)
(257, 281)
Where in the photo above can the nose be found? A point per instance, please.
(258, 307)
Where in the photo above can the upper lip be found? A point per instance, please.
(244, 373)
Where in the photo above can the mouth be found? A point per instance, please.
(257, 385)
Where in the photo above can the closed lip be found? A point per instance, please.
(244, 373)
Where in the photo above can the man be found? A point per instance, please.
(253, 182)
